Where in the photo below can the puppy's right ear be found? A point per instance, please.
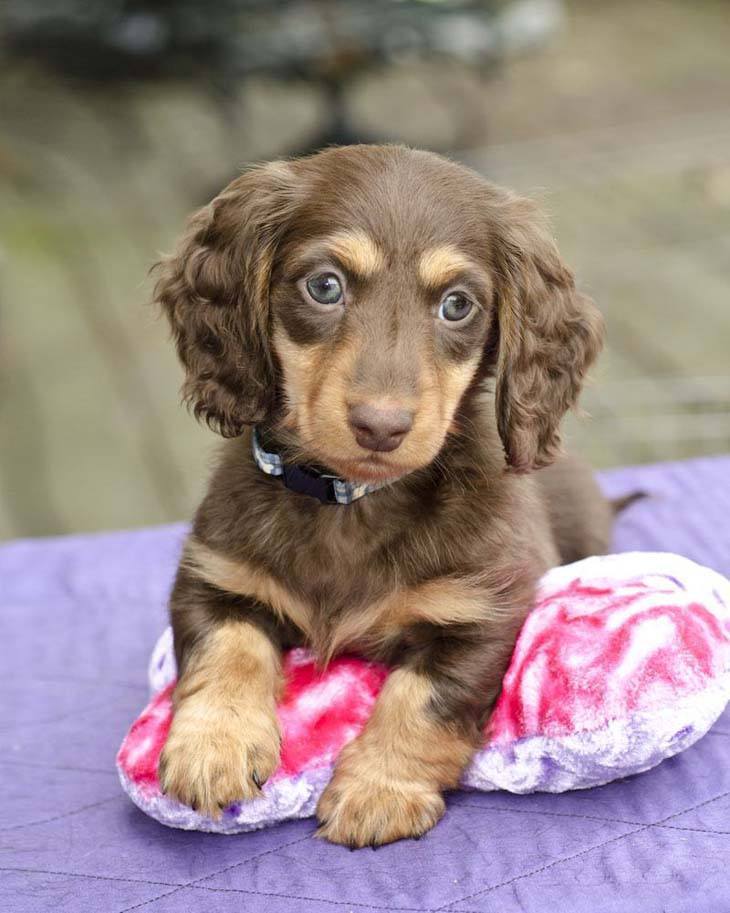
(214, 291)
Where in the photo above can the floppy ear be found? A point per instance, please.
(550, 334)
(214, 291)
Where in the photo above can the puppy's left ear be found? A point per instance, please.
(550, 334)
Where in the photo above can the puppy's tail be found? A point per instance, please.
(620, 504)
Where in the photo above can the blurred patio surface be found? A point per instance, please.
(621, 127)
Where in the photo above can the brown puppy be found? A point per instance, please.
(389, 317)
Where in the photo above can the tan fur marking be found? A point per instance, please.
(301, 364)
(224, 739)
(442, 601)
(453, 381)
(357, 251)
(439, 265)
(459, 379)
(330, 400)
(387, 783)
(316, 385)
(246, 580)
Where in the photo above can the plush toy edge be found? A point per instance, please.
(285, 800)
(533, 764)
(589, 758)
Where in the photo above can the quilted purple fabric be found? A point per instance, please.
(80, 616)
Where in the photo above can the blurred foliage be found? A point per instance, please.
(220, 44)
(104, 39)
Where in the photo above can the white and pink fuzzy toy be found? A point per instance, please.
(624, 661)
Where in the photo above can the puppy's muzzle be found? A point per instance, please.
(379, 428)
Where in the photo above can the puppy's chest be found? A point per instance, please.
(372, 613)
(339, 603)
(358, 604)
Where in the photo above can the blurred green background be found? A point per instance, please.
(116, 123)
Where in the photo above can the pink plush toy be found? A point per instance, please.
(624, 661)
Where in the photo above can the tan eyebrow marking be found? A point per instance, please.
(357, 251)
(440, 264)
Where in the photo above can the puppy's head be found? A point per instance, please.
(355, 296)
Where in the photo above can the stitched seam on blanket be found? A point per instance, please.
(166, 884)
(76, 811)
(79, 680)
(534, 811)
(228, 868)
(79, 712)
(200, 887)
(338, 903)
(197, 887)
(544, 868)
(694, 830)
(577, 855)
(111, 772)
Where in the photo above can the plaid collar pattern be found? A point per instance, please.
(328, 489)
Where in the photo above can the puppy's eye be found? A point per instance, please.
(455, 307)
(325, 288)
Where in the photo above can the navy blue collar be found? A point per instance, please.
(305, 480)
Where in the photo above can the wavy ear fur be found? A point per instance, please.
(214, 291)
(550, 334)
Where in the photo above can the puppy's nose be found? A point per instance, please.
(380, 428)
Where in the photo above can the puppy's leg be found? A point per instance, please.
(425, 727)
(224, 739)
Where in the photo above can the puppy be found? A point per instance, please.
(390, 343)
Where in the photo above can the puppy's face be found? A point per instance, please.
(380, 317)
(355, 296)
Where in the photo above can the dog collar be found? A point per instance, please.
(305, 480)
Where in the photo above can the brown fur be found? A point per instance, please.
(440, 601)
(433, 573)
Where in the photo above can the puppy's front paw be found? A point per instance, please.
(212, 759)
(358, 809)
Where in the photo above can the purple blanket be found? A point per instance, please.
(80, 616)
